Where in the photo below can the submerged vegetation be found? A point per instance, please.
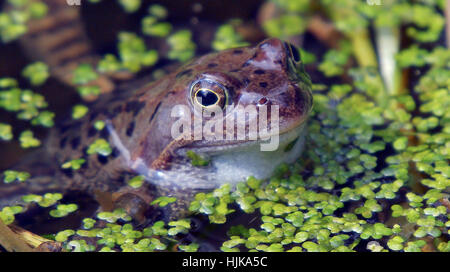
(374, 176)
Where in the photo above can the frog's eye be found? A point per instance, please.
(207, 94)
(293, 52)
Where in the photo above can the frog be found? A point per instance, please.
(139, 124)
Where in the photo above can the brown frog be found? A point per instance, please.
(142, 126)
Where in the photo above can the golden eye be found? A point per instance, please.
(206, 94)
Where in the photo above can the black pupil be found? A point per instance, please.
(206, 98)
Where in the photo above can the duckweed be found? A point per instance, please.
(46, 200)
(99, 125)
(7, 214)
(136, 182)
(163, 201)
(73, 164)
(182, 46)
(5, 132)
(196, 160)
(226, 37)
(11, 176)
(133, 52)
(27, 139)
(37, 73)
(63, 210)
(151, 24)
(78, 111)
(101, 147)
(130, 6)
(83, 74)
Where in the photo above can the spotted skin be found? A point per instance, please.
(139, 122)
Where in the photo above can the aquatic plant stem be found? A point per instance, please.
(388, 44)
(365, 56)
(362, 48)
(447, 22)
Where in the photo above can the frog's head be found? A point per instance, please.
(269, 75)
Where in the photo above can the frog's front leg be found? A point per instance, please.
(136, 202)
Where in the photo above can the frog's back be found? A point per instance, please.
(120, 110)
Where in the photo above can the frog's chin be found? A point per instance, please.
(237, 164)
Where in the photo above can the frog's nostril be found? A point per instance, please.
(262, 101)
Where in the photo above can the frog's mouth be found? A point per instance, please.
(285, 142)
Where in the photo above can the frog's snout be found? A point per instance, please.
(273, 52)
(278, 50)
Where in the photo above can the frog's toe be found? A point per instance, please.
(134, 206)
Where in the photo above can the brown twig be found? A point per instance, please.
(11, 241)
(36, 242)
